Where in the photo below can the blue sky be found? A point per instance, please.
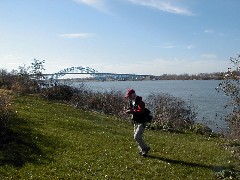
(121, 36)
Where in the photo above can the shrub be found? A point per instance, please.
(9, 80)
(81, 98)
(26, 80)
(5, 105)
(23, 85)
(61, 92)
(107, 102)
(170, 113)
(201, 129)
(234, 125)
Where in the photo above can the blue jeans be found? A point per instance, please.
(138, 136)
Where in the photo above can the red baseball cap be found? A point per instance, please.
(129, 92)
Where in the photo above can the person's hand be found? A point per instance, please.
(129, 111)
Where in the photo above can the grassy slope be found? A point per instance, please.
(51, 140)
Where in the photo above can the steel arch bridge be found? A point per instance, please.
(75, 70)
(94, 73)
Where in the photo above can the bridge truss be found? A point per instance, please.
(94, 73)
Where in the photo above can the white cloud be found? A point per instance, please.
(171, 46)
(77, 35)
(163, 5)
(168, 46)
(94, 3)
(97, 4)
(209, 56)
(209, 31)
(190, 46)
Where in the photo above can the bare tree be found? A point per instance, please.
(231, 87)
(28, 77)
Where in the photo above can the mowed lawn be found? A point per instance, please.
(50, 140)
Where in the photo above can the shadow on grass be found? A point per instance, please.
(19, 145)
(190, 164)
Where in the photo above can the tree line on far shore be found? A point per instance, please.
(200, 76)
(185, 76)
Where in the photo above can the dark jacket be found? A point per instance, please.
(138, 110)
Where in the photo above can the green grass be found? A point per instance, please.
(47, 140)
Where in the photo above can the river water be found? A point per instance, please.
(201, 93)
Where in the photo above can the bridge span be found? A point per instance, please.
(95, 74)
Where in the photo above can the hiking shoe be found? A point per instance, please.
(145, 152)
(148, 149)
